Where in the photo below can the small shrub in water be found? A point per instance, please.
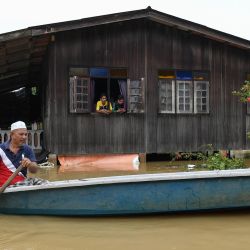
(220, 162)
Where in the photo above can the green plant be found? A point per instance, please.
(244, 92)
(218, 161)
(248, 135)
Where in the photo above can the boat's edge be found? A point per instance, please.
(135, 178)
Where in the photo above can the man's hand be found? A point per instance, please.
(27, 163)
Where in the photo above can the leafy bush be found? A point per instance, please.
(244, 91)
(218, 161)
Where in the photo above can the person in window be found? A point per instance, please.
(119, 105)
(103, 106)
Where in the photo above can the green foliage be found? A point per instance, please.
(244, 94)
(248, 135)
(244, 91)
(220, 162)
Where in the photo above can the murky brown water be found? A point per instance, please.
(203, 231)
(172, 232)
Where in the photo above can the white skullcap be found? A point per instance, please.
(17, 125)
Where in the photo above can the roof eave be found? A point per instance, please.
(147, 13)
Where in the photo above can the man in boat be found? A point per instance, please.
(15, 152)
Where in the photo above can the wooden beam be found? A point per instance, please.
(15, 35)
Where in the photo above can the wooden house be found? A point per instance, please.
(177, 78)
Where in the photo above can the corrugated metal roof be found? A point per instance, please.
(22, 51)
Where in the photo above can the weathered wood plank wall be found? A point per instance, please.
(224, 127)
(144, 47)
(107, 46)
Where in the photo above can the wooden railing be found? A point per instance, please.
(34, 139)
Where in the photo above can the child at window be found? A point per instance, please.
(119, 105)
(103, 106)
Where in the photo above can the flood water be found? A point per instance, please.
(203, 231)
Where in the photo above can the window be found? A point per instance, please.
(183, 91)
(201, 97)
(79, 90)
(79, 94)
(87, 84)
(184, 97)
(166, 96)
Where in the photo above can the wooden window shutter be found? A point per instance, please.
(135, 96)
(79, 97)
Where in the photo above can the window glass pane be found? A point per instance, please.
(99, 72)
(135, 91)
(204, 87)
(184, 75)
(135, 84)
(198, 87)
(181, 93)
(181, 107)
(181, 85)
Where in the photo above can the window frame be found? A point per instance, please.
(191, 97)
(172, 83)
(74, 96)
(140, 95)
(207, 97)
(189, 76)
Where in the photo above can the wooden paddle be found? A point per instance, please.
(6, 184)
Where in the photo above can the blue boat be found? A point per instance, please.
(132, 194)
